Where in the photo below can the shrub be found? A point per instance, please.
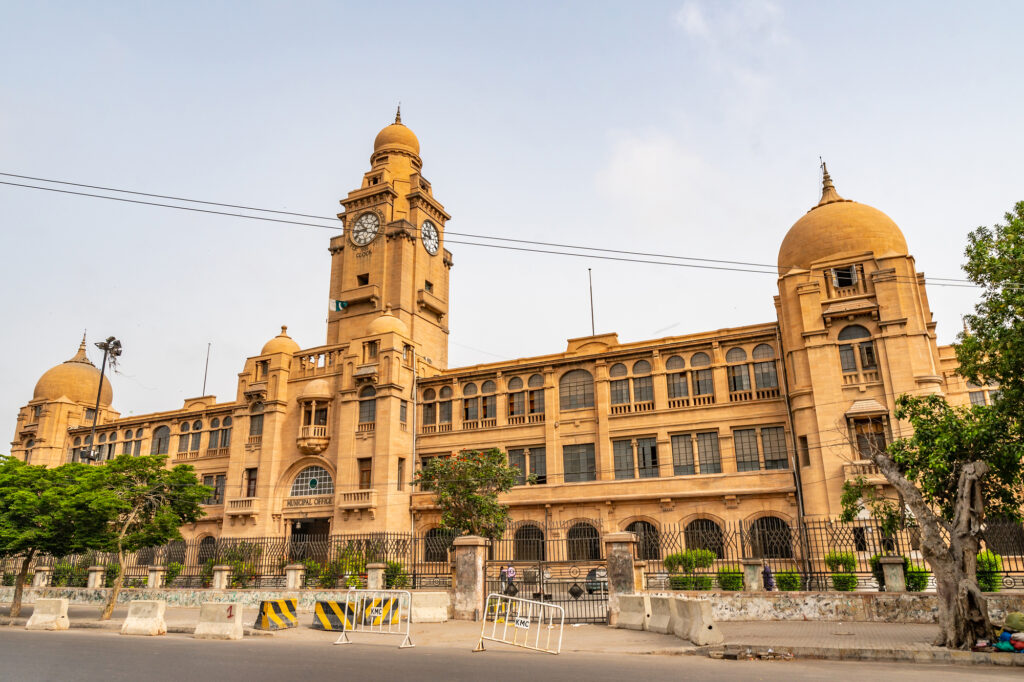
(395, 576)
(330, 574)
(354, 580)
(690, 560)
(788, 581)
(730, 578)
(174, 569)
(9, 579)
(990, 565)
(844, 582)
(841, 562)
(67, 574)
(110, 575)
(876, 569)
(917, 579)
(690, 582)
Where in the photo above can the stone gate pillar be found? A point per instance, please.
(468, 585)
(618, 552)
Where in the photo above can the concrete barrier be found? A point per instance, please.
(663, 615)
(634, 612)
(430, 607)
(145, 617)
(49, 614)
(219, 621)
(694, 623)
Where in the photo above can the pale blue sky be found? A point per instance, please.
(689, 128)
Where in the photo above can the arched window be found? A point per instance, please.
(429, 395)
(536, 381)
(489, 387)
(736, 355)
(184, 427)
(103, 438)
(576, 390)
(128, 434)
(197, 425)
(528, 544)
(515, 384)
(704, 534)
(176, 552)
(522, 402)
(641, 367)
(469, 390)
(675, 377)
(770, 538)
(207, 550)
(648, 544)
(256, 422)
(763, 351)
(617, 370)
(675, 363)
(429, 407)
(161, 441)
(488, 401)
(859, 355)
(700, 360)
(367, 405)
(765, 373)
(314, 480)
(436, 544)
(444, 405)
(446, 392)
(583, 543)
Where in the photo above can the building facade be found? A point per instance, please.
(730, 425)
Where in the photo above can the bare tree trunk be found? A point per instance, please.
(108, 610)
(19, 584)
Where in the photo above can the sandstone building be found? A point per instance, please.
(743, 423)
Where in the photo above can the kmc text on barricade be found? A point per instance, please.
(522, 622)
(384, 612)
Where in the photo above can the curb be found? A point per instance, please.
(116, 627)
(941, 656)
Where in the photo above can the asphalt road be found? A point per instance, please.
(108, 657)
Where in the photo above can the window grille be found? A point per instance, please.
(314, 480)
(647, 457)
(619, 391)
(515, 384)
(763, 351)
(745, 441)
(576, 390)
(682, 455)
(736, 355)
(700, 360)
(641, 367)
(703, 383)
(617, 370)
(675, 362)
(773, 442)
(578, 463)
(622, 452)
(707, 453)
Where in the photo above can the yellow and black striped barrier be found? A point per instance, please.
(277, 614)
(334, 615)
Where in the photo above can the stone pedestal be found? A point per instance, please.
(375, 576)
(753, 575)
(221, 577)
(155, 577)
(470, 553)
(892, 570)
(41, 577)
(97, 575)
(622, 579)
(294, 576)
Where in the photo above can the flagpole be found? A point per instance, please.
(590, 278)
(207, 368)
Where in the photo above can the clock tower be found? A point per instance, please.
(391, 253)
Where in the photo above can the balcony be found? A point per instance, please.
(870, 376)
(357, 502)
(436, 428)
(217, 452)
(741, 396)
(676, 403)
(537, 418)
(186, 456)
(313, 439)
(243, 506)
(767, 393)
(366, 427)
(516, 419)
(254, 441)
(869, 470)
(700, 400)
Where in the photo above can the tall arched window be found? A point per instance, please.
(207, 550)
(444, 405)
(765, 374)
(470, 403)
(367, 405)
(576, 390)
(583, 543)
(739, 374)
(528, 544)
(648, 542)
(488, 401)
(704, 534)
(678, 386)
(703, 383)
(161, 441)
(314, 480)
(770, 538)
(859, 352)
(436, 544)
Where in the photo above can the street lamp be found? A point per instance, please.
(112, 348)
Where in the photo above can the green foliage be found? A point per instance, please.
(788, 581)
(395, 577)
(876, 569)
(110, 575)
(844, 562)
(689, 560)
(917, 579)
(467, 487)
(730, 578)
(990, 565)
(243, 558)
(690, 582)
(174, 569)
(8, 580)
(354, 580)
(844, 582)
(70, 574)
(858, 495)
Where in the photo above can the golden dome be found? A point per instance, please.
(397, 136)
(75, 379)
(318, 388)
(387, 323)
(837, 226)
(282, 343)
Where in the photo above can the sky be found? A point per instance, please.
(688, 128)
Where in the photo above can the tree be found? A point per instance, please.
(143, 504)
(962, 466)
(467, 487)
(42, 511)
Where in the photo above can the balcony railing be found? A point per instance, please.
(243, 506)
(255, 440)
(436, 428)
(516, 419)
(488, 423)
(366, 427)
(313, 431)
(767, 393)
(217, 452)
(708, 399)
(471, 425)
(624, 408)
(676, 403)
(358, 499)
(191, 454)
(537, 418)
(870, 376)
(740, 396)
(647, 406)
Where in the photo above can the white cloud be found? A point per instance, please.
(691, 18)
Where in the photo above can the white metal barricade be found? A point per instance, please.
(385, 612)
(522, 622)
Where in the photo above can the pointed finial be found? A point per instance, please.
(81, 346)
(284, 330)
(828, 190)
(398, 114)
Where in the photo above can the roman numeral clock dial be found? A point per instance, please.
(430, 237)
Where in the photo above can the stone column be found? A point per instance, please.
(155, 578)
(892, 570)
(41, 577)
(618, 552)
(753, 575)
(96, 577)
(470, 552)
(375, 576)
(295, 576)
(221, 577)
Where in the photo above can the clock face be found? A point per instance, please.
(365, 229)
(430, 238)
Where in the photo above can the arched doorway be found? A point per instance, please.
(583, 543)
(528, 544)
(648, 542)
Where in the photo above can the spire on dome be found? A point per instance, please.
(80, 356)
(398, 114)
(828, 191)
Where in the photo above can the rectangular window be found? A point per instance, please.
(539, 464)
(870, 434)
(365, 473)
(215, 481)
(214, 439)
(90, 414)
(367, 410)
(867, 356)
(643, 390)
(977, 397)
(403, 412)
(444, 415)
(262, 369)
(138, 448)
(370, 350)
(745, 442)
(401, 473)
(489, 405)
(765, 375)
(126, 449)
(578, 463)
(847, 358)
(682, 455)
(647, 457)
(739, 378)
(256, 425)
(677, 385)
(363, 279)
(703, 384)
(537, 401)
(517, 459)
(225, 438)
(429, 414)
(250, 482)
(620, 391)
(197, 438)
(844, 277)
(708, 458)
(36, 411)
(320, 418)
(516, 404)
(470, 409)
(773, 443)
(183, 441)
(805, 452)
(428, 286)
(622, 452)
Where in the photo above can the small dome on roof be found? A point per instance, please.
(282, 343)
(318, 388)
(397, 136)
(75, 379)
(387, 323)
